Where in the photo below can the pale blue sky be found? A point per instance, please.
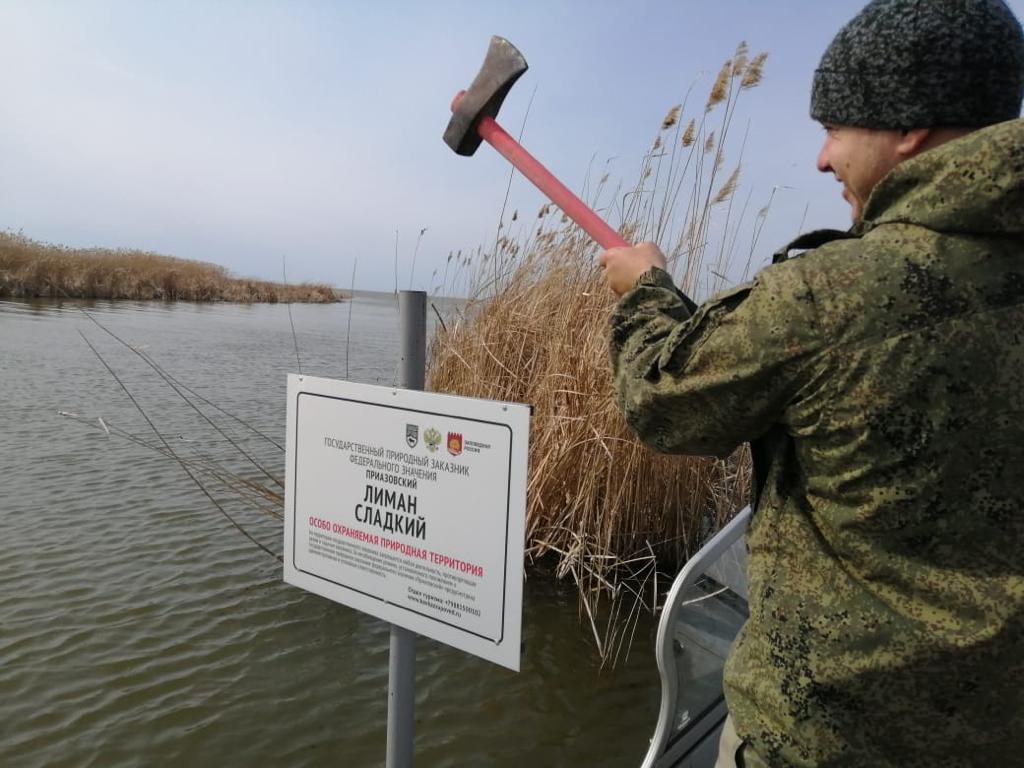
(238, 132)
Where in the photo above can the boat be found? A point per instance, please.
(704, 611)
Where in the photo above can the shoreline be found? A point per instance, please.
(30, 269)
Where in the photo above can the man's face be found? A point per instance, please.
(859, 158)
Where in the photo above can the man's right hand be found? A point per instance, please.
(624, 266)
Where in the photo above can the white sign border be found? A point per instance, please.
(515, 417)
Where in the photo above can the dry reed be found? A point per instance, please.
(610, 512)
(32, 269)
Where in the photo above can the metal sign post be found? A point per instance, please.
(412, 313)
(401, 697)
(409, 506)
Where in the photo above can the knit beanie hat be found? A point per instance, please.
(923, 64)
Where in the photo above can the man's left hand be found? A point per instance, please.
(623, 266)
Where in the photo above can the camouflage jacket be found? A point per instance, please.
(880, 380)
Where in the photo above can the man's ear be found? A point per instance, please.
(913, 141)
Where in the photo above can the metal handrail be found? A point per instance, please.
(695, 567)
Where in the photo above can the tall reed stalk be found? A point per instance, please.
(605, 510)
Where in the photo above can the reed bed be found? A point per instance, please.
(32, 269)
(602, 508)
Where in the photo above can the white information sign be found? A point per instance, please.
(410, 506)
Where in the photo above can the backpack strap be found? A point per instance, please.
(815, 239)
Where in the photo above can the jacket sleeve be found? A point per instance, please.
(703, 382)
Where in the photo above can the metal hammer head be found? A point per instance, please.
(501, 68)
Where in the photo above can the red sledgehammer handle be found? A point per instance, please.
(541, 177)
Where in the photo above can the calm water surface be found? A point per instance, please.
(138, 627)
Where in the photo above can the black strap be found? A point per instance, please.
(815, 239)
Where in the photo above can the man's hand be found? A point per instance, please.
(623, 266)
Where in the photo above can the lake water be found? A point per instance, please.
(138, 627)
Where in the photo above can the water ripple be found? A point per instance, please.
(139, 628)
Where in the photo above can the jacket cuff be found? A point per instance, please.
(655, 277)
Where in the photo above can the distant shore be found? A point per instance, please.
(32, 269)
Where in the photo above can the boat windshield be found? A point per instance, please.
(705, 609)
(710, 615)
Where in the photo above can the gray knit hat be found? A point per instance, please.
(923, 64)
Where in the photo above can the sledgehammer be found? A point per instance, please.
(473, 113)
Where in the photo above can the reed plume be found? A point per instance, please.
(752, 75)
(690, 133)
(720, 90)
(671, 118)
(739, 59)
(728, 188)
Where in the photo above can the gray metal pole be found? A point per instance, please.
(412, 312)
(401, 697)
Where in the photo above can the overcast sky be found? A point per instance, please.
(238, 132)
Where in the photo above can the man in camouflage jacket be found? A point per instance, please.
(879, 377)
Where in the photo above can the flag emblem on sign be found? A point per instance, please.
(412, 435)
(454, 443)
(432, 439)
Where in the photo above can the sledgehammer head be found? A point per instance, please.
(501, 68)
